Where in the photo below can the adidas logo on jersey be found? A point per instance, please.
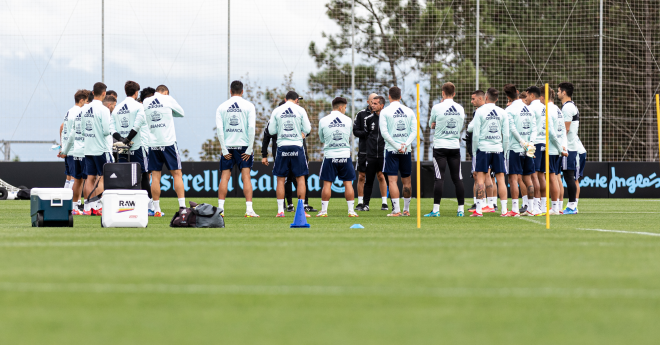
(337, 135)
(400, 126)
(288, 113)
(399, 113)
(336, 123)
(525, 112)
(66, 117)
(234, 108)
(492, 116)
(89, 113)
(123, 110)
(452, 112)
(233, 121)
(155, 104)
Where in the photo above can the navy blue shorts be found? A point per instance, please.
(341, 168)
(78, 168)
(168, 155)
(141, 156)
(290, 159)
(94, 164)
(539, 158)
(68, 165)
(236, 159)
(493, 160)
(555, 164)
(583, 161)
(571, 162)
(520, 164)
(396, 162)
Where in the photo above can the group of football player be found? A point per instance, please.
(501, 142)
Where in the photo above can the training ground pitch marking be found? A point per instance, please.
(320, 290)
(531, 220)
(623, 232)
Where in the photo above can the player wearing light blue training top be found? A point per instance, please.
(335, 134)
(75, 164)
(490, 136)
(235, 120)
(556, 150)
(573, 165)
(398, 125)
(447, 119)
(160, 111)
(522, 135)
(290, 123)
(538, 179)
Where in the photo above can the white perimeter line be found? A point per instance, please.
(320, 290)
(527, 218)
(624, 232)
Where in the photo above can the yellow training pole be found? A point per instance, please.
(419, 191)
(547, 162)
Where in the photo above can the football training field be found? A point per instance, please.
(594, 278)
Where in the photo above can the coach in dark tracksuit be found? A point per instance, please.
(375, 154)
(359, 131)
(288, 190)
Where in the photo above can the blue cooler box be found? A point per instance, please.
(51, 207)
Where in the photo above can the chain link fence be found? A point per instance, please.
(324, 49)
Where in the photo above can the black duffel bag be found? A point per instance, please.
(122, 176)
(198, 216)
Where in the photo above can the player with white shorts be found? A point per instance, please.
(235, 121)
(289, 122)
(398, 125)
(335, 135)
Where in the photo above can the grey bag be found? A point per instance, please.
(208, 216)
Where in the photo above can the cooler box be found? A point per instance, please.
(51, 207)
(125, 208)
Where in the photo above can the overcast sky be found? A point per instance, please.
(49, 49)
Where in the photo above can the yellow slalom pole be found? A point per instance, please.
(547, 162)
(419, 180)
(657, 109)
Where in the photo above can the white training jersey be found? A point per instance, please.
(159, 111)
(557, 132)
(288, 122)
(572, 115)
(69, 130)
(448, 117)
(235, 121)
(97, 128)
(522, 125)
(398, 125)
(124, 117)
(538, 109)
(335, 133)
(491, 129)
(79, 137)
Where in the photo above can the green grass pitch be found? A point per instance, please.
(456, 280)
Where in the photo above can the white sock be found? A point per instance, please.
(576, 202)
(151, 204)
(360, 199)
(384, 200)
(221, 204)
(475, 200)
(350, 205)
(504, 210)
(182, 202)
(554, 205)
(88, 206)
(460, 208)
(436, 207)
(492, 201)
(484, 202)
(524, 200)
(324, 206)
(480, 205)
(66, 184)
(406, 204)
(514, 206)
(248, 206)
(572, 205)
(544, 204)
(157, 205)
(536, 204)
(280, 205)
(395, 206)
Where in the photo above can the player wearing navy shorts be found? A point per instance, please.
(70, 132)
(574, 163)
(335, 134)
(160, 111)
(289, 122)
(398, 126)
(538, 179)
(557, 150)
(522, 135)
(235, 121)
(488, 143)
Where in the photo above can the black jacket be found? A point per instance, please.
(359, 130)
(375, 141)
(266, 141)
